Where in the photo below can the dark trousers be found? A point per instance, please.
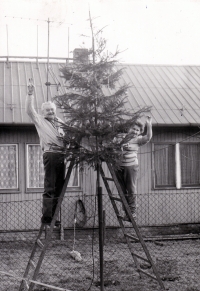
(54, 169)
(127, 177)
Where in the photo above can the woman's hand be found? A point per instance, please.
(149, 120)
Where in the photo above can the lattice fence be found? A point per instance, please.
(171, 235)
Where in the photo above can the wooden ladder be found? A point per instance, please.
(137, 237)
(32, 266)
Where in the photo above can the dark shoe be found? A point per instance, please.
(126, 218)
(46, 220)
(57, 223)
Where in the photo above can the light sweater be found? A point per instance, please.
(48, 132)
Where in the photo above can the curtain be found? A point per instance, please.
(164, 165)
(35, 168)
(9, 167)
(190, 161)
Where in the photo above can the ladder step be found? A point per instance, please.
(132, 237)
(147, 274)
(121, 217)
(108, 179)
(116, 198)
(32, 264)
(40, 243)
(140, 257)
(26, 283)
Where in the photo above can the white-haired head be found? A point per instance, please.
(53, 105)
(49, 110)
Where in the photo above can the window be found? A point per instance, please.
(9, 166)
(164, 165)
(176, 165)
(74, 178)
(190, 164)
(35, 169)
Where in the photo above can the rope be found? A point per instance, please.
(81, 222)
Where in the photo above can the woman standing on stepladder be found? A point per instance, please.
(127, 173)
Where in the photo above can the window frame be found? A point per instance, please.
(155, 187)
(189, 186)
(17, 189)
(177, 163)
(30, 189)
(41, 189)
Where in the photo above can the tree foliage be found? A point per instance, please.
(95, 105)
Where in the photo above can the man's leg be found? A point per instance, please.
(60, 174)
(49, 160)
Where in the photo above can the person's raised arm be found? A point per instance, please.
(29, 106)
(149, 133)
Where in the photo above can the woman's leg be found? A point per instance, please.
(130, 178)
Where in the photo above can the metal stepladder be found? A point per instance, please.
(32, 266)
(137, 237)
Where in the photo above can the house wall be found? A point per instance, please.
(22, 209)
(163, 206)
(169, 206)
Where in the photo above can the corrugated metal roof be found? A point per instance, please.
(14, 78)
(172, 91)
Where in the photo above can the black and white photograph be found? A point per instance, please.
(99, 145)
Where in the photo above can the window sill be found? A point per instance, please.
(9, 191)
(41, 190)
(174, 188)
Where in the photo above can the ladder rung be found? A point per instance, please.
(108, 179)
(27, 286)
(116, 198)
(121, 217)
(40, 243)
(131, 237)
(147, 274)
(32, 264)
(140, 257)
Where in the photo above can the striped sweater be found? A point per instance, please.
(130, 151)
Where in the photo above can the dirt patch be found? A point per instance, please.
(178, 264)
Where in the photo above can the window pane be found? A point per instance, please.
(164, 163)
(74, 178)
(190, 164)
(35, 169)
(9, 167)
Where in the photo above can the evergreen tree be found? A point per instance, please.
(95, 105)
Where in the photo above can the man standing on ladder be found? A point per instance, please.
(49, 129)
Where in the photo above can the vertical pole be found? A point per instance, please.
(99, 188)
(37, 47)
(48, 63)
(37, 41)
(104, 226)
(68, 43)
(101, 227)
(7, 44)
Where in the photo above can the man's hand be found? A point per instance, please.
(30, 87)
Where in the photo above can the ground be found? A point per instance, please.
(177, 261)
